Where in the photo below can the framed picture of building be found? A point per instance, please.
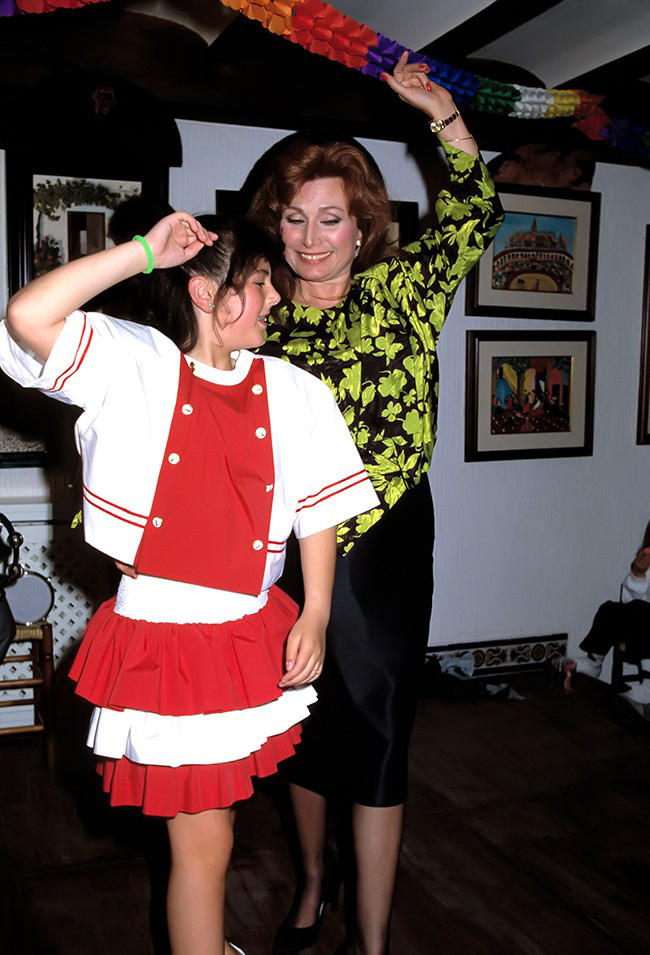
(543, 261)
(529, 395)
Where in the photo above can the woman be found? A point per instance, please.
(369, 329)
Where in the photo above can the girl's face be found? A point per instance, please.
(319, 233)
(244, 325)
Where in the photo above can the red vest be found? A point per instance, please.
(211, 513)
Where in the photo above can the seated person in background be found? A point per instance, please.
(631, 615)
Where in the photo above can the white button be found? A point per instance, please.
(257, 389)
(260, 433)
(187, 409)
(269, 487)
(257, 545)
(157, 522)
(174, 458)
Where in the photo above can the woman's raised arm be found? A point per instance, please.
(412, 83)
(36, 314)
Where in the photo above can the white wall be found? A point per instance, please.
(524, 548)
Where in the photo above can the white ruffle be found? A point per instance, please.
(198, 739)
(172, 601)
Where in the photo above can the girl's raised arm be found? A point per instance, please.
(36, 314)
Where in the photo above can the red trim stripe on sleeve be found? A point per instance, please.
(337, 488)
(77, 361)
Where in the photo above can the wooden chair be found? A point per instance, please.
(620, 681)
(38, 651)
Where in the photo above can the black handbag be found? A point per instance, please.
(7, 622)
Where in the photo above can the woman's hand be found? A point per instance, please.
(176, 239)
(412, 83)
(305, 650)
(641, 563)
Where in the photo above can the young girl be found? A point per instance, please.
(199, 459)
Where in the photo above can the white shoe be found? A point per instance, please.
(236, 950)
(591, 665)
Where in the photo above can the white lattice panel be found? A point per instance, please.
(80, 579)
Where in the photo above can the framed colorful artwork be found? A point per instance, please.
(543, 261)
(643, 414)
(529, 395)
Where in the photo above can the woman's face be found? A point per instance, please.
(319, 233)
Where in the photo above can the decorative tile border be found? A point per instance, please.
(508, 656)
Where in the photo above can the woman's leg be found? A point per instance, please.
(201, 845)
(377, 841)
(310, 812)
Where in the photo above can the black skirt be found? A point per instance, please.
(355, 743)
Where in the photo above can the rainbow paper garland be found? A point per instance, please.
(11, 8)
(322, 29)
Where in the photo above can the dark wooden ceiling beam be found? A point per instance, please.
(616, 74)
(499, 18)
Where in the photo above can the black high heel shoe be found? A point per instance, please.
(289, 940)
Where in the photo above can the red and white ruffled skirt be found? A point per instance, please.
(187, 713)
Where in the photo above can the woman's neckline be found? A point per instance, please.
(321, 306)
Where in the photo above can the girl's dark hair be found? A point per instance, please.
(300, 159)
(229, 263)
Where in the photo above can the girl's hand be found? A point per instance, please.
(176, 239)
(305, 651)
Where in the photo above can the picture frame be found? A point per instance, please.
(529, 394)
(405, 227)
(643, 413)
(543, 261)
(75, 204)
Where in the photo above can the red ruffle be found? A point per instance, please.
(184, 669)
(166, 790)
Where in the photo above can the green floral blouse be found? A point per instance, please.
(377, 350)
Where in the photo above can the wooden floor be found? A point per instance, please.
(528, 831)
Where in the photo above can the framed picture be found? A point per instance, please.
(52, 218)
(529, 395)
(643, 416)
(542, 263)
(405, 227)
(71, 216)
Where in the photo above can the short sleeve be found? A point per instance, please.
(335, 485)
(92, 353)
(77, 370)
